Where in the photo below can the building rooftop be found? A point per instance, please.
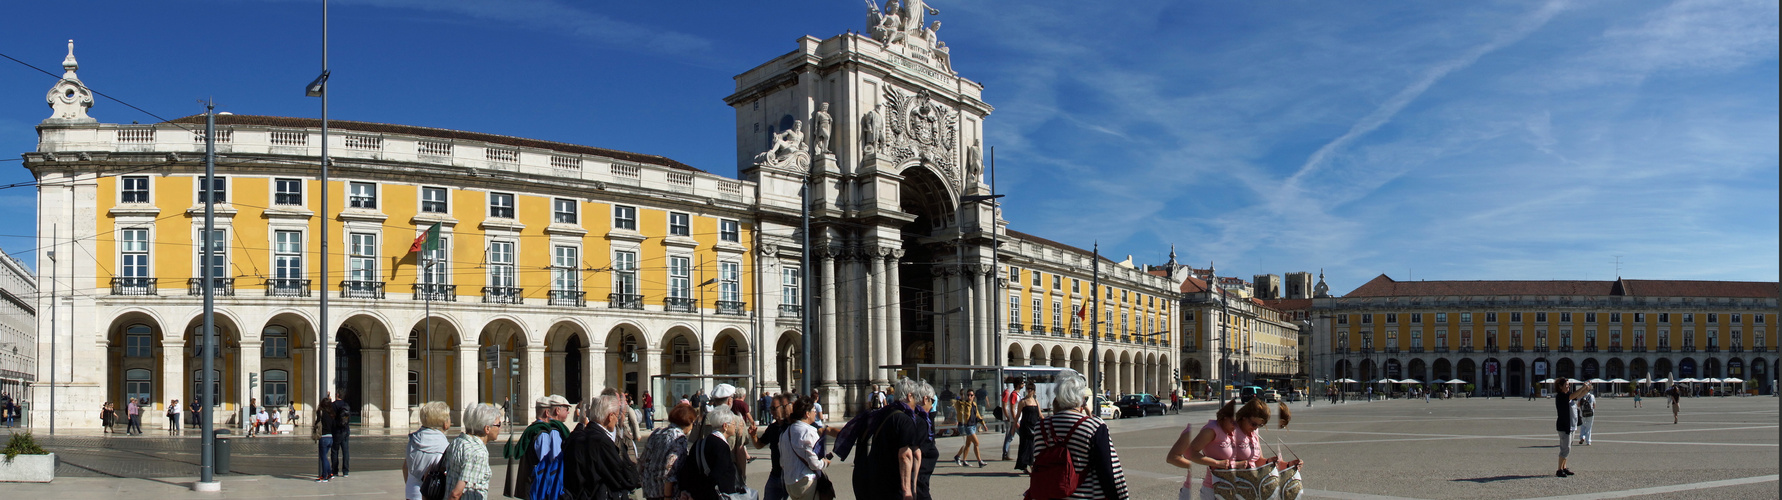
(1385, 286)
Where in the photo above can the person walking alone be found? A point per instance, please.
(133, 412)
(970, 421)
(1673, 397)
(1565, 404)
(108, 417)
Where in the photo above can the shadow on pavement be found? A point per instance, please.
(1493, 479)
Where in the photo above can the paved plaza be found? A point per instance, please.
(1463, 448)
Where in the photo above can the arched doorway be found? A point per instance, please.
(930, 261)
(1038, 357)
(1589, 369)
(1078, 362)
(680, 356)
(1467, 370)
(729, 356)
(1615, 369)
(1443, 369)
(1760, 372)
(1565, 368)
(1058, 358)
(226, 367)
(1711, 368)
(134, 364)
(788, 361)
(1686, 368)
(505, 380)
(573, 379)
(1637, 368)
(1662, 369)
(433, 364)
(349, 360)
(1015, 355)
(1419, 370)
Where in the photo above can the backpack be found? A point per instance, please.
(1585, 408)
(1054, 474)
(433, 483)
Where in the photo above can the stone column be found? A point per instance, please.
(876, 316)
(373, 389)
(594, 377)
(173, 383)
(649, 363)
(826, 337)
(534, 371)
(941, 324)
(465, 376)
(398, 386)
(894, 309)
(557, 380)
(248, 362)
(991, 352)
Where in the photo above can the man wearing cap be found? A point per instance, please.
(540, 452)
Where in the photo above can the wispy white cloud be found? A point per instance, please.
(562, 18)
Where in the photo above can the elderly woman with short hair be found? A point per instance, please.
(467, 469)
(426, 446)
(713, 470)
(1091, 448)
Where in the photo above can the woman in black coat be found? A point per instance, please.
(709, 468)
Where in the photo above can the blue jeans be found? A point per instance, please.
(324, 446)
(649, 417)
(775, 489)
(341, 454)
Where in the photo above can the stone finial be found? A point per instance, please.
(69, 98)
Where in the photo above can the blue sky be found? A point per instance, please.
(1445, 140)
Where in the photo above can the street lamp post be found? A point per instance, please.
(319, 88)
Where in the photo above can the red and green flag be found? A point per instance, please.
(428, 241)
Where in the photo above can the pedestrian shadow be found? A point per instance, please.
(1493, 479)
(979, 474)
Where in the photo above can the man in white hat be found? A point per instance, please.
(540, 452)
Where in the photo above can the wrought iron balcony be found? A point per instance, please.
(624, 301)
(1037, 329)
(435, 292)
(1466, 350)
(1663, 348)
(1057, 331)
(1688, 348)
(1614, 348)
(287, 287)
(1016, 327)
(791, 311)
(678, 304)
(225, 287)
(1342, 350)
(1416, 350)
(502, 295)
(1565, 348)
(1076, 332)
(1589, 348)
(1639, 348)
(1166, 343)
(1736, 349)
(731, 307)
(361, 289)
(1441, 350)
(1491, 348)
(1517, 348)
(134, 286)
(576, 298)
(1392, 350)
(1711, 349)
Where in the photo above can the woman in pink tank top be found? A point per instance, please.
(1231, 440)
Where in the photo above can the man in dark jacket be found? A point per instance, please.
(343, 415)
(540, 452)
(593, 467)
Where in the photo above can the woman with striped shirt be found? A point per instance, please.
(1091, 448)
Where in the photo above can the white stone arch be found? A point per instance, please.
(222, 316)
(744, 351)
(1016, 355)
(521, 328)
(1038, 356)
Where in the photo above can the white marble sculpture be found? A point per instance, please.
(789, 149)
(974, 162)
(870, 131)
(821, 124)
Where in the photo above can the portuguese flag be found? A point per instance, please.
(427, 241)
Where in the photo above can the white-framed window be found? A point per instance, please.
(1057, 313)
(1076, 286)
(1688, 338)
(139, 342)
(1416, 339)
(1614, 337)
(219, 186)
(275, 389)
(133, 189)
(216, 385)
(1713, 339)
(1713, 318)
(1565, 317)
(139, 384)
(501, 205)
(625, 272)
(1014, 307)
(275, 342)
(1034, 278)
(1038, 310)
(729, 230)
(434, 200)
(287, 192)
(730, 281)
(133, 251)
(1416, 317)
(1541, 317)
(1125, 329)
(362, 257)
(790, 290)
(1441, 335)
(501, 264)
(1736, 317)
(219, 254)
(414, 388)
(1057, 282)
(362, 195)
(565, 266)
(680, 224)
(1738, 340)
(1639, 338)
(436, 268)
(624, 217)
(564, 211)
(1757, 337)
(680, 277)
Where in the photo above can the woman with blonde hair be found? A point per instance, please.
(425, 446)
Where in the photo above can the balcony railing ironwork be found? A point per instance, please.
(503, 295)
(576, 298)
(1057, 331)
(624, 301)
(225, 287)
(678, 304)
(731, 307)
(352, 289)
(1016, 327)
(791, 311)
(134, 286)
(287, 287)
(437, 292)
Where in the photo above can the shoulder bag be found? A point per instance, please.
(818, 481)
(433, 483)
(1247, 483)
(1292, 477)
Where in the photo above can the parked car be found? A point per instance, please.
(1140, 405)
(1105, 409)
(1271, 396)
(1247, 393)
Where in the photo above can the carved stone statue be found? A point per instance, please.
(788, 148)
(870, 130)
(821, 123)
(974, 162)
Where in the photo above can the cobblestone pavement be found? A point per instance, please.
(1456, 449)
